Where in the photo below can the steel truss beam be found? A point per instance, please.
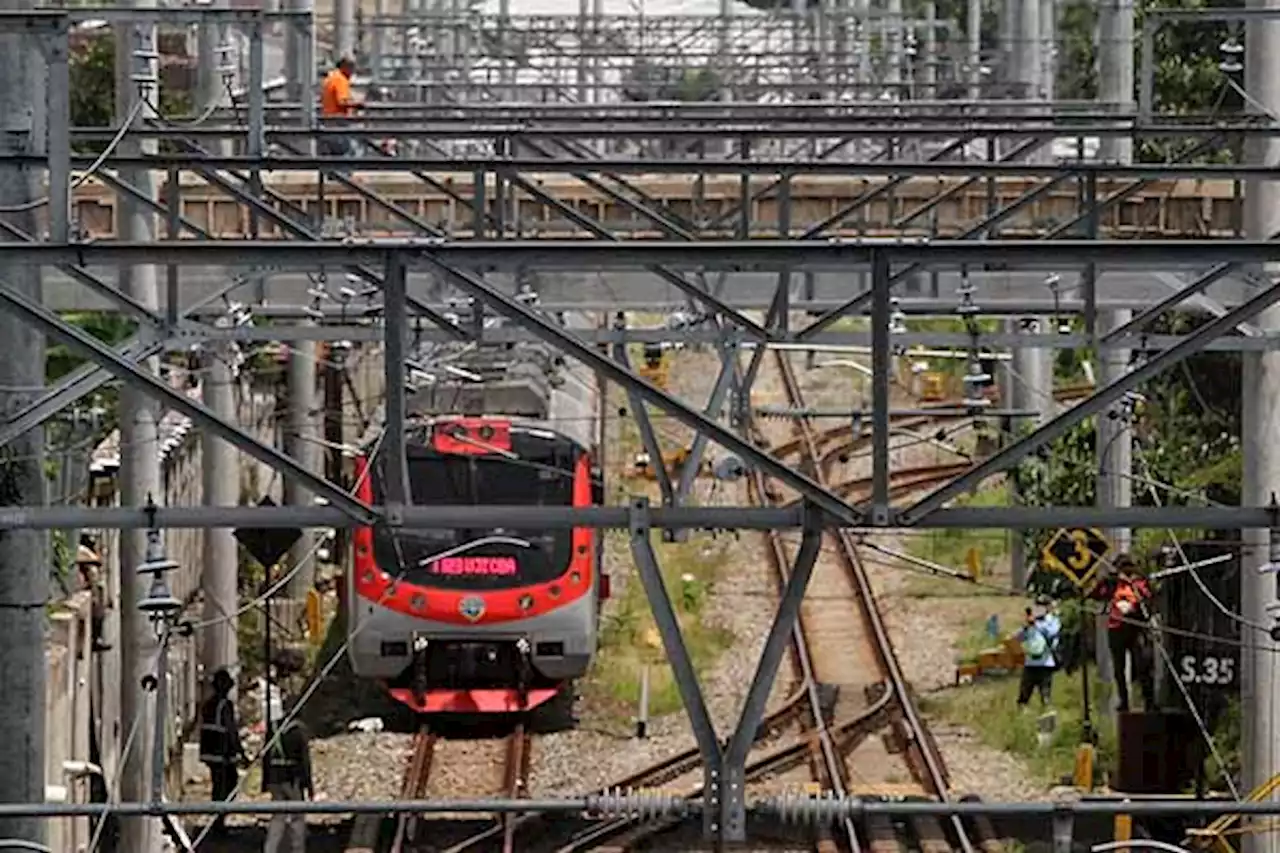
(854, 807)
(746, 255)
(618, 518)
(580, 167)
(591, 129)
(826, 340)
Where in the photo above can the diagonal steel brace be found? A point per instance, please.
(673, 278)
(129, 372)
(573, 346)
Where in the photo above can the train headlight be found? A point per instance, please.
(554, 592)
(526, 602)
(367, 576)
(575, 577)
(419, 602)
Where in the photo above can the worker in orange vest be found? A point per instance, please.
(1128, 597)
(336, 102)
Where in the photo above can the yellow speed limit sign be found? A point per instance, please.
(1076, 553)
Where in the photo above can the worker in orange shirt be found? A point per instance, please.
(336, 102)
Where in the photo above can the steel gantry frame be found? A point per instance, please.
(452, 259)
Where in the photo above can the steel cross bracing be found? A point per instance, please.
(449, 260)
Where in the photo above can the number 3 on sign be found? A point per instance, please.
(1082, 557)
(1208, 670)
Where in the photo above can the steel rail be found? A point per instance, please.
(847, 736)
(934, 768)
(656, 775)
(832, 759)
(515, 779)
(366, 829)
(416, 779)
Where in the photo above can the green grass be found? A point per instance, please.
(988, 708)
(949, 547)
(629, 640)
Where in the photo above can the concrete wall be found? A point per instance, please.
(69, 661)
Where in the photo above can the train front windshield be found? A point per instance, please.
(457, 480)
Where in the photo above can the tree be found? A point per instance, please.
(93, 89)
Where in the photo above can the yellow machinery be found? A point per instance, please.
(931, 387)
(314, 618)
(1007, 656)
(1214, 836)
(655, 367)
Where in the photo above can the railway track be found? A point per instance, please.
(822, 620)
(374, 833)
(838, 439)
(825, 739)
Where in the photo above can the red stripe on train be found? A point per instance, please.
(497, 701)
(503, 605)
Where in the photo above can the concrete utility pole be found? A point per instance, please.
(1115, 70)
(1049, 51)
(973, 31)
(1261, 418)
(345, 27)
(304, 446)
(136, 64)
(210, 88)
(299, 52)
(1028, 384)
(221, 472)
(24, 562)
(1114, 440)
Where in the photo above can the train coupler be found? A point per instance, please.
(524, 672)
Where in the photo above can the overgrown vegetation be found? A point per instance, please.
(93, 89)
(629, 640)
(989, 708)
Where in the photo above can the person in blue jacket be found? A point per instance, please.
(1039, 638)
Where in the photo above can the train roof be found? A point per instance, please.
(525, 381)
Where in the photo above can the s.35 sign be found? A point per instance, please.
(1216, 671)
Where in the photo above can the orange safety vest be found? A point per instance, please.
(1125, 603)
(335, 94)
